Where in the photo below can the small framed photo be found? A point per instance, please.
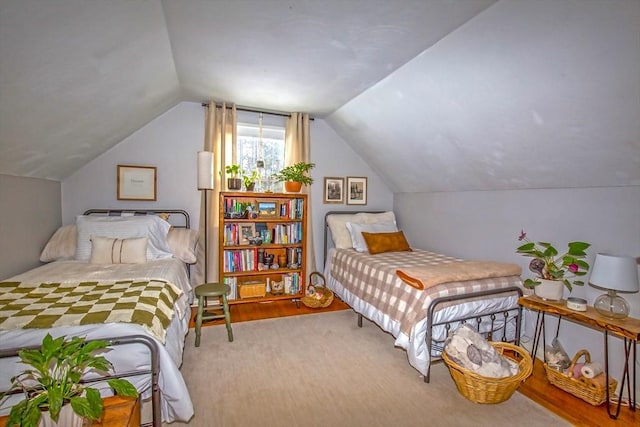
(267, 209)
(356, 190)
(333, 190)
(246, 232)
(137, 182)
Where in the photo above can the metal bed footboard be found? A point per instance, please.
(503, 315)
(154, 369)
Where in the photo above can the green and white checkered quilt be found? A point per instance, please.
(47, 305)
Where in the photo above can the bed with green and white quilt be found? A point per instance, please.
(99, 300)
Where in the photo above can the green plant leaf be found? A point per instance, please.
(55, 398)
(83, 407)
(568, 285)
(123, 387)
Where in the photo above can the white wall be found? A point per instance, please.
(334, 158)
(30, 215)
(486, 224)
(171, 142)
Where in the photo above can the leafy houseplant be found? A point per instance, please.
(548, 264)
(298, 172)
(54, 381)
(234, 182)
(250, 179)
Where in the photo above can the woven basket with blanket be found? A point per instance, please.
(492, 371)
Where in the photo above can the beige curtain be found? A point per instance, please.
(220, 138)
(298, 149)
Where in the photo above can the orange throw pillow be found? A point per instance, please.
(378, 243)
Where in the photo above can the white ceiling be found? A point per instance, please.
(436, 95)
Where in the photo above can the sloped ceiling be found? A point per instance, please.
(436, 95)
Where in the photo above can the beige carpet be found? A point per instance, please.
(322, 370)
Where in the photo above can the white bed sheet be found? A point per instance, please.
(175, 399)
(414, 343)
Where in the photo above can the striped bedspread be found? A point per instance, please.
(148, 303)
(373, 278)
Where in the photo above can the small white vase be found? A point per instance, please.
(67, 418)
(551, 290)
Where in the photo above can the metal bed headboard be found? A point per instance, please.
(177, 217)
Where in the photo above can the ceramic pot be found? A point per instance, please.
(251, 187)
(66, 418)
(551, 290)
(292, 186)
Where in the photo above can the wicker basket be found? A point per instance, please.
(481, 389)
(318, 281)
(590, 391)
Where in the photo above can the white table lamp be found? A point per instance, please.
(614, 273)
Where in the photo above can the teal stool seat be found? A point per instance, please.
(213, 290)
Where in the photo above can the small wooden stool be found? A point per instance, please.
(212, 290)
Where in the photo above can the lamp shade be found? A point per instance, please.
(205, 170)
(619, 273)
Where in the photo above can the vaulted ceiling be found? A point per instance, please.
(435, 95)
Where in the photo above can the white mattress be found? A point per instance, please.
(175, 400)
(414, 342)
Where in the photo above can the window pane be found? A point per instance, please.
(269, 149)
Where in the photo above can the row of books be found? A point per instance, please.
(237, 234)
(292, 209)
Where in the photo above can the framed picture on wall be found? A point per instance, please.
(333, 190)
(356, 190)
(137, 182)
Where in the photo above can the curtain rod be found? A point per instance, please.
(253, 110)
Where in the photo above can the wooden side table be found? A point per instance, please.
(118, 412)
(628, 329)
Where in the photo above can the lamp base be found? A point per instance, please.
(612, 306)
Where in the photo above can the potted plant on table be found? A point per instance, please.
(554, 271)
(234, 182)
(52, 388)
(295, 176)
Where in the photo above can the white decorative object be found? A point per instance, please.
(66, 418)
(551, 290)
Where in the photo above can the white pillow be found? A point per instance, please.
(183, 243)
(62, 245)
(338, 225)
(150, 226)
(109, 250)
(356, 229)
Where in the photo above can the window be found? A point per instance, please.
(260, 145)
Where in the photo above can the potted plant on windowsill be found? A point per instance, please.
(249, 180)
(234, 182)
(295, 176)
(553, 271)
(52, 387)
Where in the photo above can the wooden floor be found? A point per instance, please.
(537, 388)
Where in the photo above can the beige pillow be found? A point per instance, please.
(182, 242)
(110, 250)
(62, 245)
(338, 225)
